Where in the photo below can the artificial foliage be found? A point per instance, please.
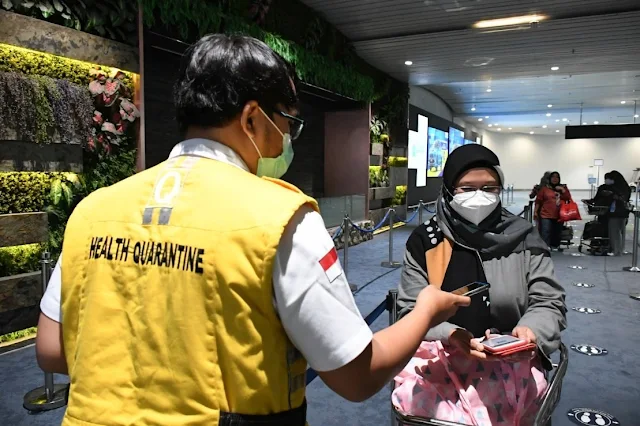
(39, 108)
(398, 161)
(400, 197)
(20, 259)
(25, 192)
(31, 62)
(210, 17)
(113, 19)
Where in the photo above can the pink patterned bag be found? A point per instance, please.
(449, 386)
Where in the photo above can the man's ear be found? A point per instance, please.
(248, 118)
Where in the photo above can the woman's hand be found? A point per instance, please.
(524, 333)
(462, 340)
(561, 188)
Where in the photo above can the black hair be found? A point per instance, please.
(220, 73)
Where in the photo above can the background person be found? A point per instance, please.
(544, 181)
(548, 202)
(169, 306)
(473, 239)
(615, 194)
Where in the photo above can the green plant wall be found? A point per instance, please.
(25, 192)
(210, 17)
(31, 62)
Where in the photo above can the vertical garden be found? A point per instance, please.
(67, 128)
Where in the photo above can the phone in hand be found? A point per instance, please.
(505, 344)
(472, 289)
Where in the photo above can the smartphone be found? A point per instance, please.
(472, 289)
(500, 344)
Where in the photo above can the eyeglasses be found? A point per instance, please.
(487, 188)
(296, 125)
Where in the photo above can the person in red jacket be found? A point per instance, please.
(548, 202)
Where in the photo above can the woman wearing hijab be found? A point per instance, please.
(472, 239)
(615, 193)
(544, 181)
(548, 202)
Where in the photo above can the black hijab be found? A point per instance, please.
(551, 185)
(501, 232)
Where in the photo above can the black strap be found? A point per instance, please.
(294, 417)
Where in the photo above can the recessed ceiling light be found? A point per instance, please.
(489, 90)
(555, 68)
(473, 108)
(490, 125)
(564, 119)
(584, 124)
(595, 122)
(636, 116)
(479, 119)
(408, 63)
(549, 106)
(623, 102)
(557, 131)
(544, 127)
(486, 116)
(510, 128)
(548, 114)
(531, 132)
(557, 121)
(508, 22)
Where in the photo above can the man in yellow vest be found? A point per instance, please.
(196, 292)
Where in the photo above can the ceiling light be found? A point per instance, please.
(549, 106)
(564, 119)
(510, 128)
(584, 124)
(473, 108)
(408, 63)
(557, 131)
(531, 132)
(636, 116)
(548, 114)
(544, 127)
(489, 90)
(623, 102)
(508, 22)
(499, 129)
(486, 116)
(595, 122)
(479, 119)
(557, 121)
(555, 68)
(490, 125)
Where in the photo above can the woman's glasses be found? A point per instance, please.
(296, 125)
(487, 188)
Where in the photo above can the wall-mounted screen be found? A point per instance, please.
(418, 145)
(456, 139)
(437, 152)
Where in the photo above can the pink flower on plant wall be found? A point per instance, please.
(110, 127)
(109, 100)
(97, 118)
(128, 110)
(96, 88)
(111, 86)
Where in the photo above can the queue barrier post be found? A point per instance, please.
(346, 231)
(634, 257)
(50, 396)
(420, 221)
(390, 263)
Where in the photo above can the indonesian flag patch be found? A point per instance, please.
(330, 265)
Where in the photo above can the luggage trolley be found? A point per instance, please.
(595, 236)
(549, 400)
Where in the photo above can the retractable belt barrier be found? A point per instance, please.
(636, 245)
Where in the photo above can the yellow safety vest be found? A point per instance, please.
(167, 300)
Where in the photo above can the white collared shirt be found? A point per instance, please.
(315, 305)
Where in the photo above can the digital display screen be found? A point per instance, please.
(456, 139)
(437, 152)
(500, 341)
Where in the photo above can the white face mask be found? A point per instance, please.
(475, 206)
(608, 181)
